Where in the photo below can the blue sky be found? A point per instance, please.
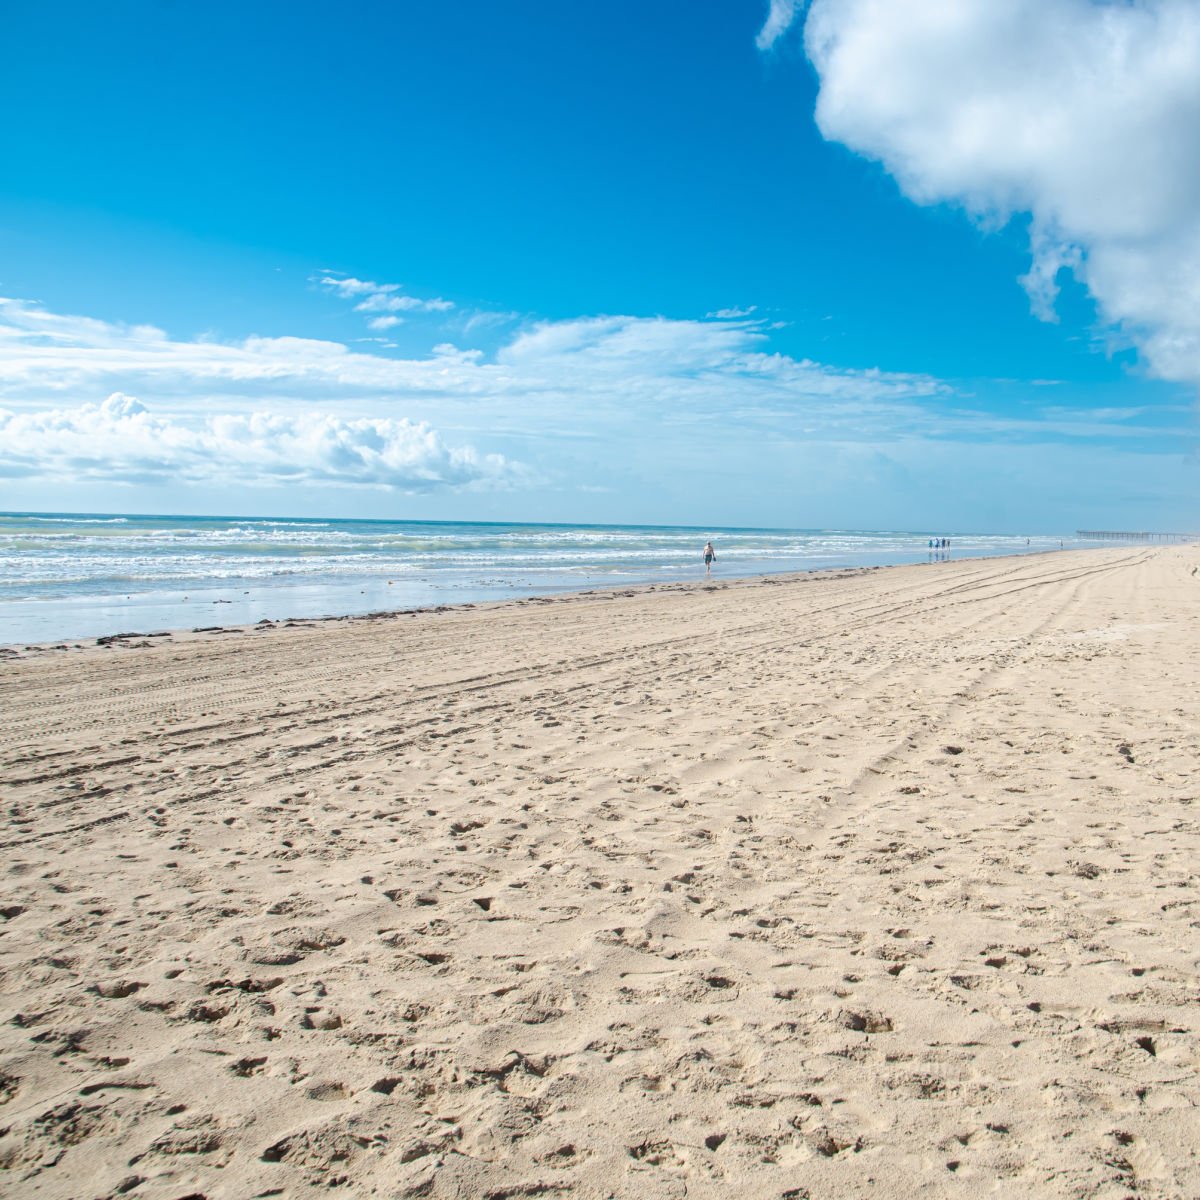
(722, 263)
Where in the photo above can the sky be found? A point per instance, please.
(878, 264)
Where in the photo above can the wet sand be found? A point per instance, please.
(861, 884)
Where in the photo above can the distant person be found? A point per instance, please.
(710, 557)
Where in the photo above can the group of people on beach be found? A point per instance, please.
(939, 549)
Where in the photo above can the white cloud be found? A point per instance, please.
(623, 364)
(381, 323)
(44, 355)
(780, 16)
(576, 402)
(385, 302)
(666, 417)
(381, 297)
(120, 440)
(732, 314)
(488, 319)
(1082, 113)
(349, 288)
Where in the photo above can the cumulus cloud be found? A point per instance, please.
(1081, 113)
(121, 440)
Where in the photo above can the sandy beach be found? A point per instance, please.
(874, 883)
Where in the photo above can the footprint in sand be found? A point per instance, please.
(117, 989)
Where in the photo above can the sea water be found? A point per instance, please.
(67, 576)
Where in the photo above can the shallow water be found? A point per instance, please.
(69, 576)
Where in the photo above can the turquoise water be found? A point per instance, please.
(65, 576)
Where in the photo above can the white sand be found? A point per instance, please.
(871, 884)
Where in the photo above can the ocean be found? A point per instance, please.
(67, 576)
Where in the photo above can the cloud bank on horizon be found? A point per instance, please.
(120, 440)
(263, 411)
(1081, 113)
(587, 406)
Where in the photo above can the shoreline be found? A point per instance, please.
(77, 578)
(18, 649)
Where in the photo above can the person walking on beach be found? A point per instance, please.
(710, 557)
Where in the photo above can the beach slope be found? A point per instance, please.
(859, 884)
